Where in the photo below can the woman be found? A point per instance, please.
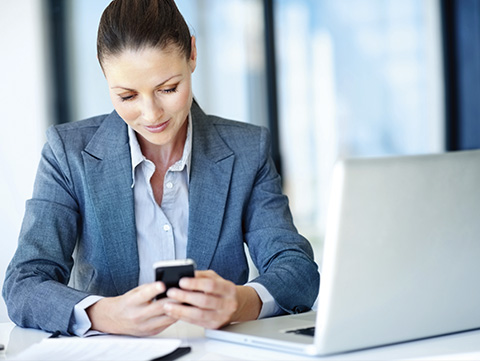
(155, 179)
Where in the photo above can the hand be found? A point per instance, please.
(133, 313)
(212, 301)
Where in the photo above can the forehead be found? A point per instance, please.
(150, 64)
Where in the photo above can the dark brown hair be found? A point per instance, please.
(136, 24)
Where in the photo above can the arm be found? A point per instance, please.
(283, 257)
(37, 277)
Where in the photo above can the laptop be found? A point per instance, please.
(401, 258)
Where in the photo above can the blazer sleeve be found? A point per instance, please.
(283, 257)
(35, 287)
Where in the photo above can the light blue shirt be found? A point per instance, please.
(162, 231)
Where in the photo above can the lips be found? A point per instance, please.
(158, 128)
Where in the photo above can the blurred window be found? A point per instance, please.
(230, 77)
(356, 78)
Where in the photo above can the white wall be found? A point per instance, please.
(24, 116)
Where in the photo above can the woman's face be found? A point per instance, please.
(151, 90)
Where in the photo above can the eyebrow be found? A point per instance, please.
(156, 86)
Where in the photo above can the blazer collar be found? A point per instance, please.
(108, 176)
(207, 141)
(110, 138)
(210, 177)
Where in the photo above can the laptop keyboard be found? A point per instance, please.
(309, 331)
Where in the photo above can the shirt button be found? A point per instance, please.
(169, 185)
(166, 228)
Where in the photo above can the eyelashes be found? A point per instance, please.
(163, 91)
(169, 91)
(127, 98)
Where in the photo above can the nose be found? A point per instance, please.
(152, 110)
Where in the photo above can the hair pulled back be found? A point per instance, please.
(137, 24)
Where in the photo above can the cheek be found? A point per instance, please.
(182, 102)
(126, 111)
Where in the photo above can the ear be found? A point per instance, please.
(193, 55)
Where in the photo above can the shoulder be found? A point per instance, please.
(237, 127)
(76, 130)
(77, 135)
(235, 134)
(204, 120)
(241, 136)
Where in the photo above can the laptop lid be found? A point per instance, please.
(401, 257)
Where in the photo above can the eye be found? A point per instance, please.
(126, 97)
(170, 90)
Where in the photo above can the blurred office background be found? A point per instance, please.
(330, 78)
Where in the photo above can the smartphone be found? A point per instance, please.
(170, 272)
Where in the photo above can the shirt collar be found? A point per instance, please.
(138, 157)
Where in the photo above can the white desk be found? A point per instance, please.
(459, 346)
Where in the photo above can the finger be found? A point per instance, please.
(157, 307)
(199, 299)
(155, 325)
(197, 316)
(142, 317)
(217, 286)
(147, 292)
(203, 274)
(206, 274)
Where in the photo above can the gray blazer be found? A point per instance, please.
(78, 236)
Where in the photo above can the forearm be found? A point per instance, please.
(30, 303)
(291, 275)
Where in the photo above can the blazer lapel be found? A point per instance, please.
(109, 178)
(210, 176)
